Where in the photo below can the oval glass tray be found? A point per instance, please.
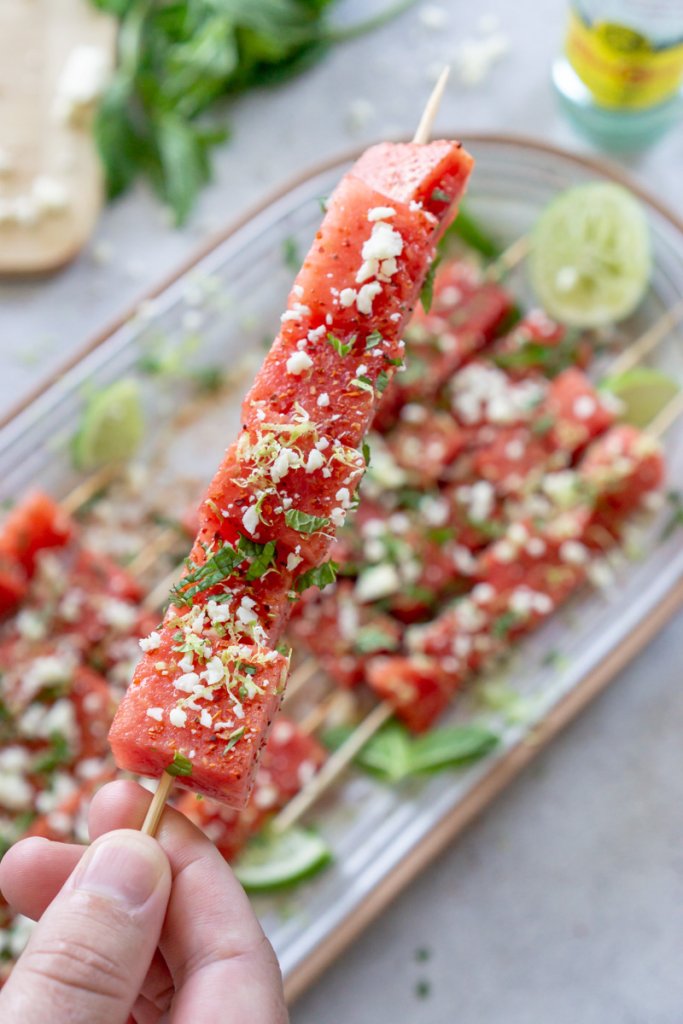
(220, 310)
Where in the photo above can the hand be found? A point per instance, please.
(160, 930)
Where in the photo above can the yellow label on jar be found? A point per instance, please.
(620, 66)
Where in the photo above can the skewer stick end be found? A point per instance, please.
(156, 808)
(424, 129)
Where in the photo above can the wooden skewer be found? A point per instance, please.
(86, 490)
(156, 808)
(508, 259)
(424, 129)
(647, 341)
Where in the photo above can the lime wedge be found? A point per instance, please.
(590, 255)
(643, 391)
(275, 861)
(111, 428)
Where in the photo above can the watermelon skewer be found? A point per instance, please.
(248, 528)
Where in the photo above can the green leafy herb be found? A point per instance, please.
(180, 765)
(364, 383)
(202, 577)
(501, 626)
(59, 753)
(290, 254)
(179, 60)
(468, 230)
(371, 639)
(320, 576)
(382, 381)
(373, 340)
(543, 425)
(305, 523)
(427, 293)
(365, 447)
(551, 359)
(675, 500)
(233, 739)
(395, 754)
(263, 556)
(439, 196)
(423, 988)
(394, 362)
(340, 347)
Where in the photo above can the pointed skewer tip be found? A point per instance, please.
(424, 129)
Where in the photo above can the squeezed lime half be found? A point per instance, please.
(590, 259)
(274, 861)
(111, 428)
(643, 392)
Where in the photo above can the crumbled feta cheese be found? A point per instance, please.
(381, 213)
(584, 407)
(156, 713)
(245, 613)
(298, 363)
(323, 399)
(292, 561)
(186, 682)
(205, 718)
(366, 296)
(315, 461)
(338, 517)
(250, 519)
(376, 582)
(573, 552)
(151, 642)
(347, 297)
(81, 82)
(178, 717)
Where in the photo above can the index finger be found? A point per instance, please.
(222, 964)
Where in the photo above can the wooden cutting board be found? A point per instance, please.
(50, 177)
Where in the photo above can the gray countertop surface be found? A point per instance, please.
(563, 904)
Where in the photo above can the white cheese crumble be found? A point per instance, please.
(315, 461)
(298, 363)
(381, 213)
(177, 717)
(156, 713)
(366, 297)
(347, 297)
(151, 642)
(250, 519)
(323, 399)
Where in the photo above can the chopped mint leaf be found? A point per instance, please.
(439, 196)
(382, 381)
(371, 639)
(202, 577)
(340, 347)
(320, 576)
(59, 753)
(262, 555)
(542, 425)
(303, 522)
(675, 500)
(233, 739)
(364, 383)
(504, 623)
(180, 765)
(394, 362)
(373, 340)
(366, 452)
(427, 293)
(290, 254)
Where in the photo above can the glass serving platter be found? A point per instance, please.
(223, 310)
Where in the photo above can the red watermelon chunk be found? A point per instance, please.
(576, 412)
(538, 344)
(35, 524)
(168, 721)
(425, 443)
(624, 465)
(510, 460)
(419, 688)
(13, 585)
(286, 485)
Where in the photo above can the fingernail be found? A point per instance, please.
(126, 870)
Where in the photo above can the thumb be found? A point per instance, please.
(89, 954)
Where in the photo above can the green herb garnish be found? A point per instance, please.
(439, 196)
(427, 293)
(180, 765)
(340, 347)
(364, 383)
(290, 254)
(59, 753)
(203, 577)
(371, 639)
(373, 340)
(320, 576)
(501, 626)
(178, 62)
(365, 448)
(303, 522)
(233, 739)
(382, 381)
(262, 555)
